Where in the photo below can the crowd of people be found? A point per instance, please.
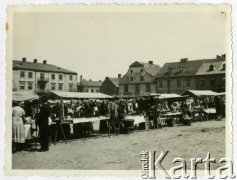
(115, 109)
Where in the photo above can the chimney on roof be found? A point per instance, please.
(119, 75)
(90, 80)
(35, 60)
(24, 59)
(223, 55)
(99, 80)
(218, 57)
(44, 61)
(184, 60)
(150, 62)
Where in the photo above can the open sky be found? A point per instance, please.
(97, 45)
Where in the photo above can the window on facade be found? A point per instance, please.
(70, 77)
(179, 83)
(141, 70)
(131, 71)
(30, 86)
(52, 76)
(60, 77)
(42, 76)
(60, 87)
(188, 82)
(22, 74)
(125, 88)
(142, 78)
(137, 88)
(160, 83)
(131, 78)
(202, 83)
(92, 90)
(148, 87)
(53, 86)
(97, 90)
(70, 87)
(212, 82)
(30, 75)
(22, 85)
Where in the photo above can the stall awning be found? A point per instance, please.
(24, 96)
(199, 93)
(80, 95)
(170, 96)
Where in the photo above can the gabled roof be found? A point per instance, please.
(217, 63)
(115, 81)
(152, 69)
(91, 83)
(39, 67)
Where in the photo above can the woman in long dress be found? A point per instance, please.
(18, 129)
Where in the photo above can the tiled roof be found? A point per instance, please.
(39, 67)
(152, 69)
(217, 63)
(115, 81)
(91, 83)
(190, 69)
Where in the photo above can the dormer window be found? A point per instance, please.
(223, 67)
(181, 69)
(211, 68)
(170, 70)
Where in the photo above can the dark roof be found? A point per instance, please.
(152, 69)
(217, 63)
(115, 81)
(40, 67)
(91, 83)
(191, 68)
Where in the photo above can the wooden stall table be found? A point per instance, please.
(170, 118)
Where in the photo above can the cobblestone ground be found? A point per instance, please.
(123, 152)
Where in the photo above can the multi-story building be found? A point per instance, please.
(42, 77)
(110, 86)
(139, 79)
(205, 74)
(88, 86)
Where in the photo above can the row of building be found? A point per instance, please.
(141, 78)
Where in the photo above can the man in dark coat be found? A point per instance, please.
(43, 123)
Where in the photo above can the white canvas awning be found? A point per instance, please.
(80, 95)
(170, 96)
(199, 93)
(24, 96)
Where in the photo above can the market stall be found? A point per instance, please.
(206, 103)
(29, 102)
(171, 108)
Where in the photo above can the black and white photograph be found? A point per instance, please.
(111, 87)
